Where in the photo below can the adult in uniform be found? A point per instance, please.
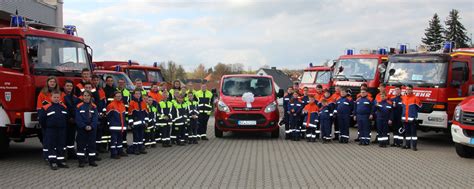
(410, 107)
(205, 100)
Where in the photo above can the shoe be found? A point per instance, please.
(375, 141)
(63, 165)
(195, 142)
(143, 152)
(93, 164)
(54, 166)
(393, 145)
(406, 147)
(415, 149)
(204, 138)
(81, 164)
(357, 140)
(71, 156)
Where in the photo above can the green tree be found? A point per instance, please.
(455, 31)
(434, 34)
(180, 73)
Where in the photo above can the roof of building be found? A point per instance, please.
(279, 77)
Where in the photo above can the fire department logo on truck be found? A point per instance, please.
(418, 93)
(8, 96)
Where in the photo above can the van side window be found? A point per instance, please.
(10, 55)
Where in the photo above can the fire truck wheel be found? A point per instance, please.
(464, 151)
(276, 133)
(218, 133)
(4, 143)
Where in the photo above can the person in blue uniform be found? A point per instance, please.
(325, 120)
(363, 115)
(138, 121)
(286, 116)
(311, 120)
(193, 115)
(294, 110)
(180, 117)
(116, 113)
(344, 109)
(304, 101)
(71, 101)
(53, 117)
(384, 116)
(397, 118)
(87, 118)
(410, 107)
(164, 119)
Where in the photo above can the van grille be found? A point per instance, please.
(467, 118)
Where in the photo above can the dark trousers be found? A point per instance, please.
(98, 137)
(138, 134)
(294, 125)
(71, 138)
(311, 132)
(382, 131)
(45, 142)
(326, 128)
(397, 136)
(202, 129)
(165, 134)
(157, 134)
(410, 134)
(336, 127)
(86, 147)
(193, 127)
(105, 138)
(286, 121)
(344, 122)
(363, 125)
(149, 136)
(116, 142)
(55, 143)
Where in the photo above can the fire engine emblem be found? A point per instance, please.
(8, 96)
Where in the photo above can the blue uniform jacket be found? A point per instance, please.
(86, 115)
(53, 115)
(363, 106)
(384, 110)
(71, 101)
(325, 113)
(344, 106)
(295, 107)
(397, 108)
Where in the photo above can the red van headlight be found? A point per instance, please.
(271, 107)
(221, 106)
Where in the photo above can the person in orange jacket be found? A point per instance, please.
(311, 119)
(138, 120)
(410, 107)
(116, 121)
(154, 93)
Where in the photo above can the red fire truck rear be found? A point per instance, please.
(440, 80)
(352, 70)
(27, 57)
(314, 75)
(148, 74)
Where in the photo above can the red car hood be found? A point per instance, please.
(467, 104)
(238, 102)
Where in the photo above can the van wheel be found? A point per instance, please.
(276, 133)
(218, 133)
(4, 143)
(464, 151)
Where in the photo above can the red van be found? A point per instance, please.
(247, 103)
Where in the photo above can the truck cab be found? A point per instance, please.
(28, 56)
(440, 80)
(148, 74)
(103, 74)
(314, 75)
(352, 70)
(247, 103)
(462, 129)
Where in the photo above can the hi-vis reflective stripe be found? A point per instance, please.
(50, 113)
(110, 99)
(64, 112)
(137, 122)
(116, 128)
(456, 99)
(82, 111)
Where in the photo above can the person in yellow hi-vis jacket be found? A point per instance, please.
(205, 99)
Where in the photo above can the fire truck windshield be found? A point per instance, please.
(55, 55)
(323, 77)
(417, 73)
(308, 77)
(357, 68)
(137, 74)
(155, 76)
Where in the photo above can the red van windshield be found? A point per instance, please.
(237, 86)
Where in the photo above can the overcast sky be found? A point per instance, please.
(281, 33)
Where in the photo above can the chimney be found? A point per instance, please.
(274, 68)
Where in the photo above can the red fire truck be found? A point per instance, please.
(462, 128)
(27, 57)
(314, 75)
(352, 70)
(440, 80)
(148, 74)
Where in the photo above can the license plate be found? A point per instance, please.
(242, 122)
(472, 141)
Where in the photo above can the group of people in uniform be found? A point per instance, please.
(313, 116)
(82, 120)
